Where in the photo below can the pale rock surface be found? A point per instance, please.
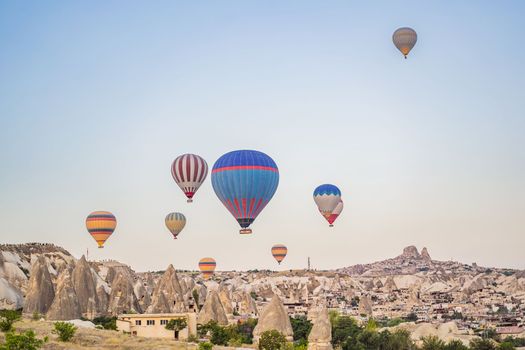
(320, 336)
(365, 306)
(122, 298)
(168, 293)
(10, 297)
(212, 310)
(425, 255)
(224, 296)
(65, 305)
(85, 286)
(274, 316)
(40, 291)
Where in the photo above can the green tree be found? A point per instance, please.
(106, 322)
(301, 328)
(246, 328)
(64, 330)
(7, 318)
(482, 344)
(456, 344)
(398, 340)
(272, 340)
(205, 346)
(432, 343)
(506, 346)
(344, 328)
(195, 295)
(411, 317)
(516, 342)
(176, 324)
(22, 341)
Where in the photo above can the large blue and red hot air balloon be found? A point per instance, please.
(245, 181)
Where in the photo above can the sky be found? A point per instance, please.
(98, 97)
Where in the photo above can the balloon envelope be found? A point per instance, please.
(404, 39)
(327, 197)
(175, 222)
(207, 267)
(189, 172)
(101, 224)
(245, 181)
(335, 214)
(279, 252)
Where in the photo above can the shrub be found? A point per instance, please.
(205, 346)
(272, 340)
(506, 346)
(516, 342)
(456, 345)
(192, 339)
(22, 341)
(36, 316)
(482, 344)
(106, 322)
(64, 330)
(7, 318)
(432, 343)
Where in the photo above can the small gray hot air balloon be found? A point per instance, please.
(404, 38)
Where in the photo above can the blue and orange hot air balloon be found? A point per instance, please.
(207, 267)
(101, 224)
(245, 181)
(327, 197)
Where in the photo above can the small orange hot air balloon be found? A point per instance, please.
(101, 224)
(279, 252)
(207, 267)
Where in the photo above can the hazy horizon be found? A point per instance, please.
(97, 99)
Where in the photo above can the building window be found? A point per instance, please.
(163, 322)
(150, 322)
(138, 322)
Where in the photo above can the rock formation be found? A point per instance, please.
(410, 252)
(321, 334)
(85, 286)
(246, 305)
(40, 291)
(10, 297)
(224, 296)
(168, 293)
(274, 316)
(212, 310)
(66, 305)
(425, 255)
(122, 298)
(365, 306)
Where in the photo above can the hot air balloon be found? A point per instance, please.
(207, 266)
(333, 215)
(404, 38)
(189, 172)
(245, 181)
(279, 252)
(175, 222)
(327, 197)
(101, 224)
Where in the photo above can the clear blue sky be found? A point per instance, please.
(98, 97)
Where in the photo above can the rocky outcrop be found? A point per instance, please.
(224, 296)
(409, 253)
(390, 284)
(10, 297)
(122, 298)
(85, 286)
(40, 291)
(425, 255)
(320, 336)
(168, 294)
(245, 304)
(274, 316)
(365, 306)
(66, 304)
(212, 310)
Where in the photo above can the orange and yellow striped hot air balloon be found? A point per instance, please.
(279, 252)
(101, 224)
(207, 266)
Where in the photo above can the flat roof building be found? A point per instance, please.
(154, 325)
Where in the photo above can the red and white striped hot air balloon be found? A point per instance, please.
(189, 172)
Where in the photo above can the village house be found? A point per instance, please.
(154, 325)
